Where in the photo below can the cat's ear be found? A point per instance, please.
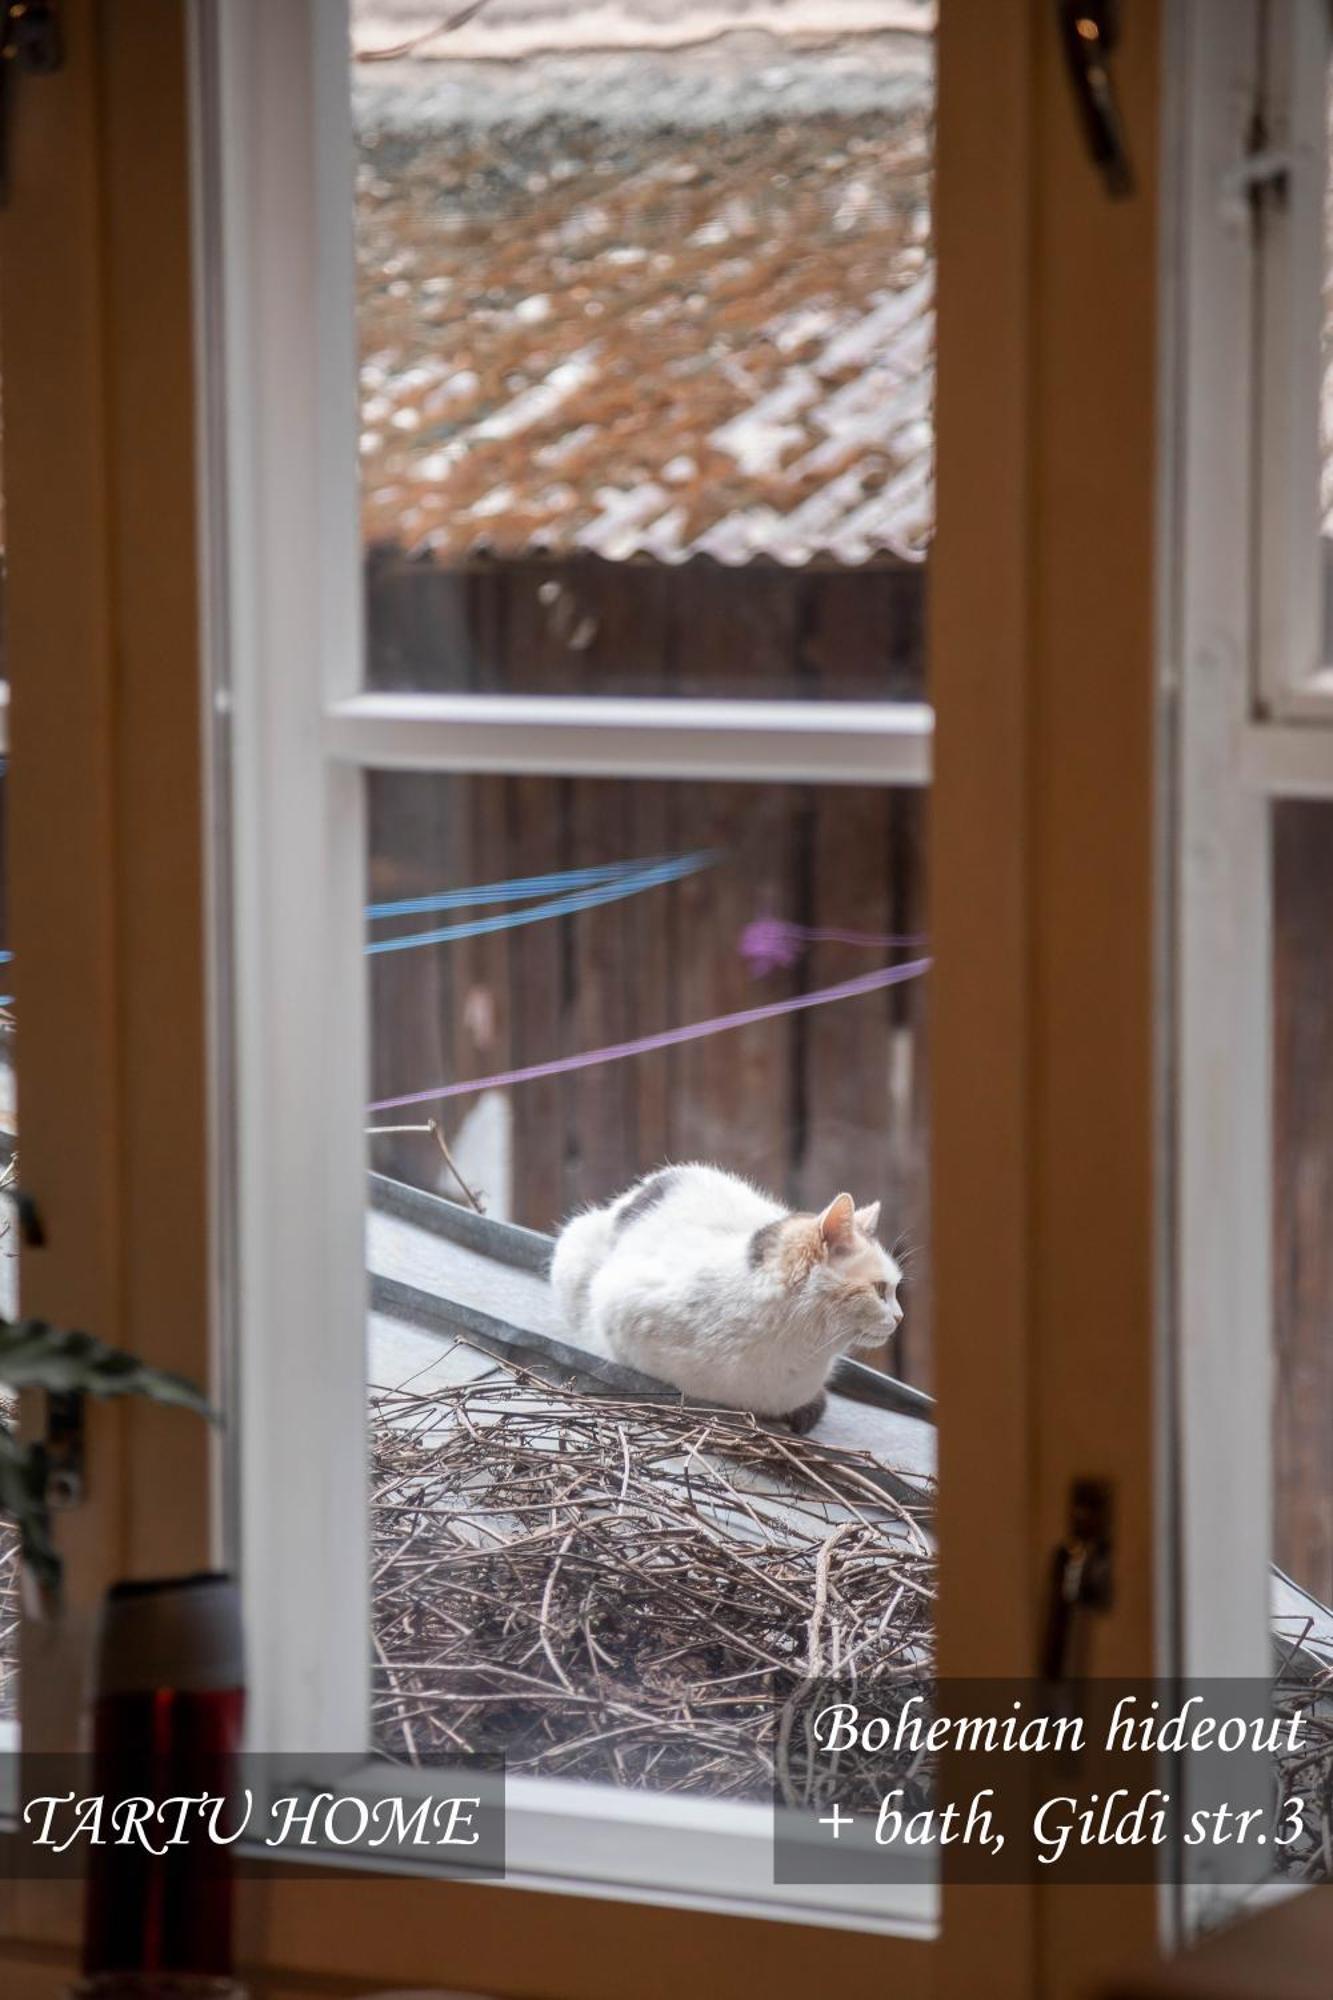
(867, 1219)
(837, 1225)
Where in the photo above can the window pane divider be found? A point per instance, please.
(886, 743)
(1285, 760)
(1221, 1140)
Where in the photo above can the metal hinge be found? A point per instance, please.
(30, 41)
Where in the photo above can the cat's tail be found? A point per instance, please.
(580, 1251)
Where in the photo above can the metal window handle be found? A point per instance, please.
(1081, 1576)
(1089, 31)
(30, 40)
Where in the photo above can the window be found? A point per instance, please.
(414, 781)
(609, 856)
(1040, 1127)
(1255, 756)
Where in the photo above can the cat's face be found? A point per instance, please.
(836, 1261)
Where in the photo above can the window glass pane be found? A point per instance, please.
(646, 336)
(1303, 1197)
(9, 1247)
(579, 987)
(1302, 1415)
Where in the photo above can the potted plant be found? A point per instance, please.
(36, 1355)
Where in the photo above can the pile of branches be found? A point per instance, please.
(625, 1591)
(1305, 1687)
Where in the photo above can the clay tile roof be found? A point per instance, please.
(650, 337)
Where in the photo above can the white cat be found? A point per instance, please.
(697, 1278)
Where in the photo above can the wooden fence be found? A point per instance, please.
(584, 625)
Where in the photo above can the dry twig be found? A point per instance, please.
(623, 1591)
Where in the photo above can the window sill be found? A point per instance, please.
(572, 1839)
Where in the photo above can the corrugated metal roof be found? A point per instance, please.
(642, 338)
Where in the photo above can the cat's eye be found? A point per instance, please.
(882, 1291)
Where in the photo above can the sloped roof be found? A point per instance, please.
(650, 335)
(498, 29)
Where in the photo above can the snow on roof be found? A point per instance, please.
(594, 322)
(503, 29)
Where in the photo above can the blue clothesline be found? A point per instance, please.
(585, 889)
(625, 883)
(525, 886)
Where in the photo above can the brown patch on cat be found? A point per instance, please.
(800, 1248)
(802, 1241)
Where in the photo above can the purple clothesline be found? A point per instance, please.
(848, 989)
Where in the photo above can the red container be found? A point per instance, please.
(167, 1721)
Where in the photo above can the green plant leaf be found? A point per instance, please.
(35, 1355)
(24, 1476)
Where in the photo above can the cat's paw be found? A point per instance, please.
(803, 1420)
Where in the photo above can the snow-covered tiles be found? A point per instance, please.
(646, 337)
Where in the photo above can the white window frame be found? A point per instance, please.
(1288, 173)
(278, 359)
(1246, 734)
(1250, 702)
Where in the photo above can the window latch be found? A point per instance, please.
(1081, 1576)
(1265, 170)
(1089, 32)
(30, 41)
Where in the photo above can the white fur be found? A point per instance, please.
(672, 1292)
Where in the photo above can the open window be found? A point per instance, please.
(634, 347)
(474, 728)
(1254, 754)
(575, 452)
